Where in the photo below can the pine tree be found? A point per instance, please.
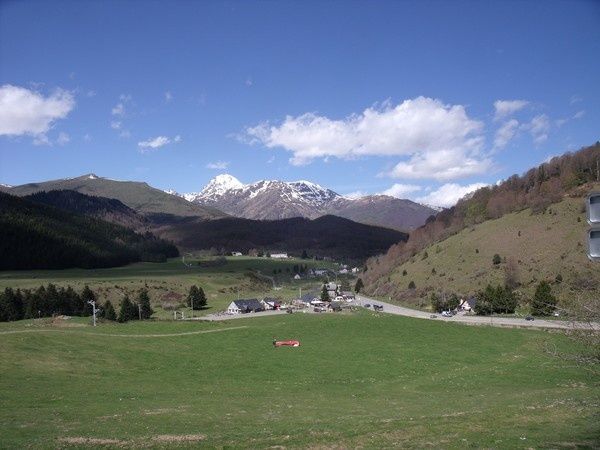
(324, 294)
(196, 298)
(87, 295)
(544, 302)
(359, 285)
(127, 310)
(109, 311)
(145, 311)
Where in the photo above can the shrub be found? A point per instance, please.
(412, 285)
(544, 303)
(496, 259)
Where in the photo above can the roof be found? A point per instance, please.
(275, 301)
(251, 303)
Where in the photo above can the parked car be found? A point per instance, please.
(367, 305)
(529, 318)
(433, 316)
(446, 314)
(378, 307)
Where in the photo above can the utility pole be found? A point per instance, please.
(94, 309)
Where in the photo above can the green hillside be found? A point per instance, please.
(138, 196)
(542, 246)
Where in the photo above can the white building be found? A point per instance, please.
(279, 255)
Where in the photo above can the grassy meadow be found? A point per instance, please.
(358, 380)
(169, 283)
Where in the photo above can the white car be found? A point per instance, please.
(446, 314)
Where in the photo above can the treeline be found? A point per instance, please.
(49, 301)
(499, 300)
(536, 189)
(36, 236)
(45, 301)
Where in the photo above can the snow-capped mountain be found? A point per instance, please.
(273, 199)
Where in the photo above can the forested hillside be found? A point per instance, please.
(109, 209)
(36, 236)
(522, 203)
(326, 236)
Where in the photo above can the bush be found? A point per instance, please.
(496, 259)
(196, 298)
(412, 285)
(359, 285)
(109, 311)
(495, 300)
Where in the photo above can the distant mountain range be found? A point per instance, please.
(273, 199)
(137, 195)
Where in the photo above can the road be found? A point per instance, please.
(389, 308)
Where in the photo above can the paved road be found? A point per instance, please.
(361, 300)
(389, 308)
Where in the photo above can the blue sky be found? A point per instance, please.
(424, 100)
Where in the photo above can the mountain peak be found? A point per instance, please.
(216, 187)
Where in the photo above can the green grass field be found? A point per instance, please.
(168, 283)
(358, 380)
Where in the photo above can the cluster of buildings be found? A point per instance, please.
(337, 298)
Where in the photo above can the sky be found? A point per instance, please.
(425, 100)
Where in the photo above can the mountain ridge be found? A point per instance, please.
(275, 199)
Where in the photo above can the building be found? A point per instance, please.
(279, 255)
(468, 304)
(271, 303)
(244, 306)
(236, 253)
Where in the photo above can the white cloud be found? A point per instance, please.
(399, 190)
(448, 194)
(249, 82)
(423, 129)
(218, 165)
(118, 110)
(168, 96)
(23, 111)
(505, 108)
(125, 134)
(506, 133)
(116, 124)
(539, 127)
(177, 138)
(87, 138)
(154, 143)
(91, 94)
(575, 99)
(63, 138)
(41, 139)
(579, 115)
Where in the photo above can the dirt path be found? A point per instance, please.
(186, 333)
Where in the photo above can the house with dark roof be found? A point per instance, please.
(244, 306)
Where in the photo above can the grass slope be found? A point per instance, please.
(361, 380)
(549, 244)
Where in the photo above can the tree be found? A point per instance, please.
(359, 285)
(304, 255)
(511, 274)
(452, 302)
(128, 310)
(496, 259)
(412, 285)
(544, 302)
(324, 294)
(196, 298)
(145, 310)
(436, 303)
(11, 305)
(87, 295)
(109, 311)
